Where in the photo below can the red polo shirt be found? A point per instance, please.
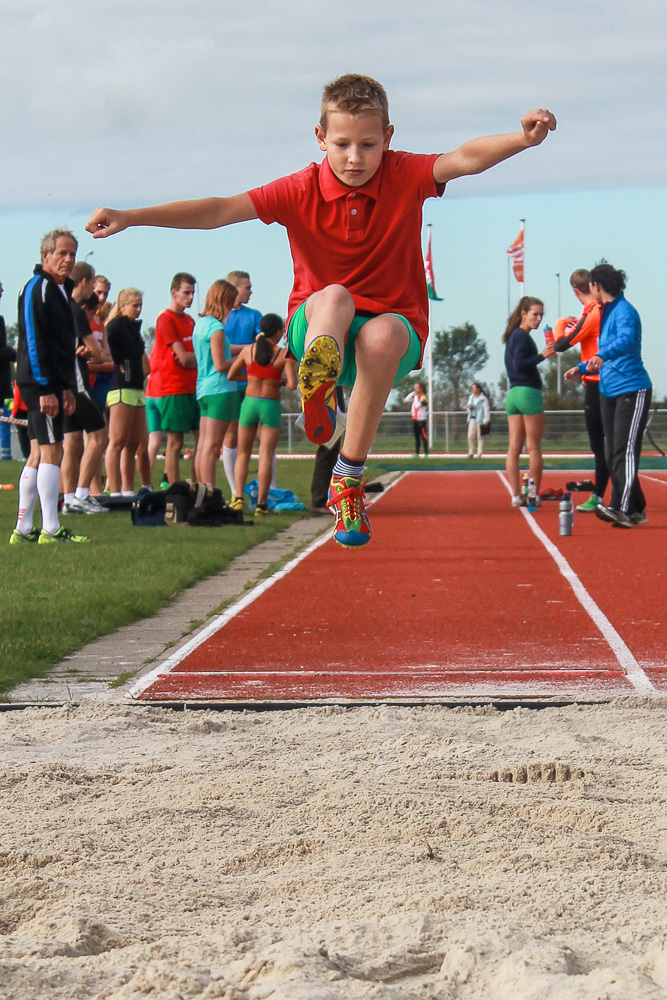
(173, 380)
(367, 239)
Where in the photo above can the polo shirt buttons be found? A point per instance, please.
(353, 211)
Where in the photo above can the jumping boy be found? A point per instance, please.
(358, 310)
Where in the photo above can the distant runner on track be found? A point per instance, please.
(358, 311)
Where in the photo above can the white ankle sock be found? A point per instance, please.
(82, 493)
(48, 482)
(27, 499)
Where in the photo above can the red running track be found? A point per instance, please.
(455, 597)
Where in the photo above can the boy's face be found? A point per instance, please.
(354, 145)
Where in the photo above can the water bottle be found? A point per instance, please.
(524, 484)
(531, 495)
(565, 515)
(549, 335)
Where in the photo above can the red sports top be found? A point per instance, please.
(170, 328)
(367, 239)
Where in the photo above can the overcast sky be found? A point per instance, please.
(124, 103)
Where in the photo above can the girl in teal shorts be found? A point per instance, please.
(217, 397)
(524, 405)
(265, 365)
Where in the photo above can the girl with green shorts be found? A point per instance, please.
(217, 397)
(524, 405)
(265, 365)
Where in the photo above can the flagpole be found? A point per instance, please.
(430, 360)
(523, 228)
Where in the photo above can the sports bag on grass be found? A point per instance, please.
(148, 509)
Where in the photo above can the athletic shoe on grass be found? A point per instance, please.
(613, 516)
(237, 503)
(346, 502)
(84, 506)
(590, 505)
(638, 518)
(318, 372)
(519, 500)
(262, 509)
(61, 535)
(18, 538)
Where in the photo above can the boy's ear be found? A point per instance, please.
(387, 137)
(321, 137)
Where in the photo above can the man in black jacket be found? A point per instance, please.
(7, 355)
(45, 374)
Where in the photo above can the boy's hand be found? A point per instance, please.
(572, 375)
(106, 222)
(536, 125)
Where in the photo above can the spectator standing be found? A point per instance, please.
(524, 404)
(7, 356)
(265, 363)
(241, 329)
(419, 410)
(127, 407)
(80, 461)
(625, 395)
(479, 413)
(46, 377)
(177, 367)
(217, 397)
(586, 332)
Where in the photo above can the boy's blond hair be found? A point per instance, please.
(355, 95)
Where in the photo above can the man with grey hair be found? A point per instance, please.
(45, 373)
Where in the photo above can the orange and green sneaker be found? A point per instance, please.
(318, 373)
(346, 503)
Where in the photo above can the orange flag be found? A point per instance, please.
(516, 253)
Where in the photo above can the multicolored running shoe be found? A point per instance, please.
(346, 503)
(318, 372)
(61, 535)
(17, 538)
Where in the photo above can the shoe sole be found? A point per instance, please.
(318, 372)
(603, 515)
(353, 545)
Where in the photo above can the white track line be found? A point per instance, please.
(167, 666)
(663, 482)
(626, 660)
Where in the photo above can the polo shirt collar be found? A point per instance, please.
(332, 188)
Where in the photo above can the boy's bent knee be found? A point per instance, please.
(330, 297)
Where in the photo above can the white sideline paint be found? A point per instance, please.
(627, 661)
(654, 479)
(167, 666)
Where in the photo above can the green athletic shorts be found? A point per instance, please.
(260, 411)
(131, 397)
(221, 406)
(180, 413)
(153, 414)
(297, 338)
(523, 401)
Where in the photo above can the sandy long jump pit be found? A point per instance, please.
(393, 853)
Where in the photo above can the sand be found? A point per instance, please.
(386, 853)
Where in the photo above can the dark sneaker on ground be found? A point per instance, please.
(18, 538)
(589, 506)
(318, 372)
(346, 502)
(580, 486)
(613, 516)
(84, 506)
(61, 535)
(638, 518)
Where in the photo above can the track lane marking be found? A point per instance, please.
(221, 620)
(626, 660)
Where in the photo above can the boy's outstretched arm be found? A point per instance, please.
(205, 213)
(479, 154)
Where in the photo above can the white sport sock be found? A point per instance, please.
(27, 499)
(68, 497)
(82, 493)
(228, 463)
(48, 482)
(272, 485)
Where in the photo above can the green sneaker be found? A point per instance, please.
(590, 505)
(61, 535)
(17, 538)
